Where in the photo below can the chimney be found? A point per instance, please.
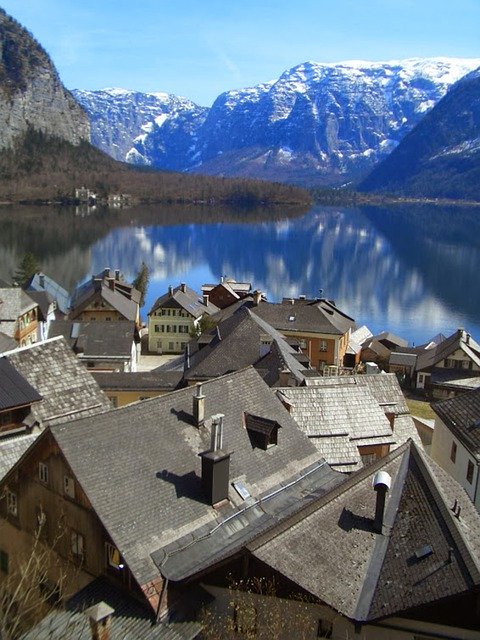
(205, 299)
(117, 274)
(467, 339)
(183, 287)
(100, 618)
(111, 283)
(284, 377)
(381, 483)
(216, 465)
(170, 290)
(257, 297)
(391, 418)
(106, 272)
(199, 407)
(41, 280)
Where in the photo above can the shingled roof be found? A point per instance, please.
(461, 415)
(14, 302)
(299, 315)
(42, 282)
(66, 387)
(184, 298)
(15, 391)
(428, 358)
(96, 339)
(147, 500)
(424, 553)
(241, 340)
(99, 289)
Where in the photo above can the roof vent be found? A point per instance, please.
(199, 407)
(423, 552)
(381, 483)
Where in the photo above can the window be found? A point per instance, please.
(108, 319)
(323, 345)
(77, 546)
(324, 629)
(245, 618)
(3, 561)
(43, 472)
(170, 346)
(112, 556)
(113, 401)
(157, 328)
(68, 486)
(453, 452)
(470, 472)
(12, 504)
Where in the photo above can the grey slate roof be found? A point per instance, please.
(15, 391)
(100, 290)
(185, 298)
(42, 282)
(7, 343)
(158, 495)
(66, 387)
(365, 575)
(403, 359)
(462, 416)
(345, 405)
(12, 449)
(317, 316)
(44, 301)
(456, 379)
(96, 339)
(14, 302)
(130, 621)
(428, 358)
(237, 342)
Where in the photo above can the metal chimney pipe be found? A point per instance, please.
(381, 484)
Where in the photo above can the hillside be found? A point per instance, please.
(440, 157)
(31, 93)
(42, 167)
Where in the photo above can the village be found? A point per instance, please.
(167, 470)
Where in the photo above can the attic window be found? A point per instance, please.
(263, 432)
(291, 318)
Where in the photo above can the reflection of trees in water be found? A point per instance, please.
(374, 262)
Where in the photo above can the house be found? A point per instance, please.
(18, 315)
(40, 282)
(106, 297)
(101, 346)
(226, 292)
(244, 339)
(378, 348)
(322, 329)
(354, 350)
(47, 308)
(126, 483)
(391, 551)
(450, 367)
(456, 440)
(45, 384)
(174, 316)
(124, 388)
(352, 420)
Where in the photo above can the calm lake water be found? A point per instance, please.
(412, 270)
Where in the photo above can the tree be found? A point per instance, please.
(141, 282)
(26, 268)
(204, 324)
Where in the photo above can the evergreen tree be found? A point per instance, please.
(141, 282)
(26, 268)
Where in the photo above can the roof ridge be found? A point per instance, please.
(355, 478)
(30, 346)
(472, 564)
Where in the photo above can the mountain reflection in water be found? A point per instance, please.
(411, 270)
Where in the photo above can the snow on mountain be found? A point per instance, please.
(319, 123)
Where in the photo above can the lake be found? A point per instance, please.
(412, 270)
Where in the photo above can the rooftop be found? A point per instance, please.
(461, 415)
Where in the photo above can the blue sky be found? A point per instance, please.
(199, 48)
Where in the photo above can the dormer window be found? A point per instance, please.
(263, 432)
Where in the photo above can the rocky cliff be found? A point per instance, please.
(31, 93)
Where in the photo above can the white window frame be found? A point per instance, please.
(77, 544)
(323, 345)
(12, 503)
(43, 472)
(69, 486)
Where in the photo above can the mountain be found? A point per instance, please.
(154, 129)
(31, 93)
(440, 157)
(317, 124)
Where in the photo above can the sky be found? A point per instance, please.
(200, 48)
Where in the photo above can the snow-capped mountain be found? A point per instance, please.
(142, 128)
(318, 123)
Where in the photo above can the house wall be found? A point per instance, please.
(321, 348)
(105, 313)
(27, 328)
(64, 516)
(272, 617)
(441, 452)
(120, 398)
(169, 329)
(458, 360)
